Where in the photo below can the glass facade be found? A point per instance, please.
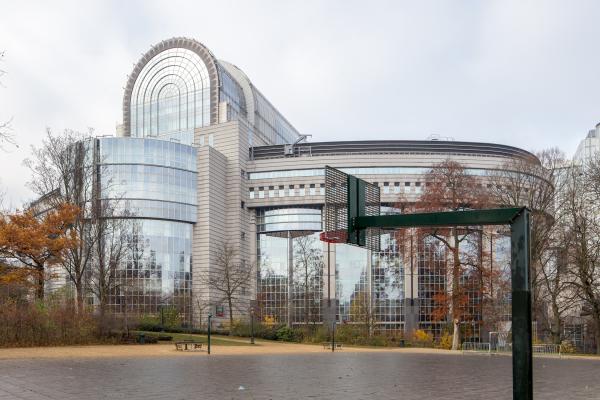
(290, 260)
(171, 96)
(370, 286)
(270, 123)
(290, 274)
(352, 287)
(156, 272)
(387, 276)
(151, 184)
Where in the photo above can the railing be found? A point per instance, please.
(546, 349)
(479, 347)
(484, 347)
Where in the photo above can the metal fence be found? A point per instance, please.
(479, 347)
(547, 349)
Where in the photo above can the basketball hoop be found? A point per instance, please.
(338, 236)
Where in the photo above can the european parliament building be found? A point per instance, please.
(203, 159)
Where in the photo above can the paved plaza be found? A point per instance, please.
(309, 374)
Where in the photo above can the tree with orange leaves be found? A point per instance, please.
(448, 187)
(38, 241)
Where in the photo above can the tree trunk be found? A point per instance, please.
(79, 296)
(39, 292)
(456, 335)
(556, 325)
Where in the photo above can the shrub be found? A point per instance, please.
(422, 338)
(567, 347)
(445, 341)
(286, 334)
(49, 324)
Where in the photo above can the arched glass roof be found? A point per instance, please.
(171, 93)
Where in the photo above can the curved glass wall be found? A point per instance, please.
(118, 150)
(171, 96)
(150, 186)
(149, 178)
(156, 272)
(288, 219)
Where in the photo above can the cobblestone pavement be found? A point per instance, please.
(343, 375)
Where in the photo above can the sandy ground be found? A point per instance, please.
(168, 350)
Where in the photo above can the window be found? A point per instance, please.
(243, 174)
(386, 187)
(322, 189)
(211, 140)
(261, 192)
(271, 191)
(291, 191)
(243, 204)
(396, 187)
(243, 236)
(312, 190)
(302, 191)
(281, 191)
(251, 192)
(201, 140)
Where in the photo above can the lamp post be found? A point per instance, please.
(252, 325)
(209, 324)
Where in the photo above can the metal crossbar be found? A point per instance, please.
(497, 216)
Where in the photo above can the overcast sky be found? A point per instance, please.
(522, 73)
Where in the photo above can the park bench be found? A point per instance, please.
(188, 345)
(327, 345)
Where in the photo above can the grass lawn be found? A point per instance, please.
(214, 339)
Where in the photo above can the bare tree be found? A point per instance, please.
(63, 170)
(109, 253)
(228, 277)
(582, 210)
(449, 187)
(527, 183)
(308, 263)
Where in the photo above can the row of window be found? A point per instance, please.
(314, 189)
(356, 171)
(292, 190)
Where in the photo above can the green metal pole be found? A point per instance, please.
(521, 308)
(209, 324)
(333, 337)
